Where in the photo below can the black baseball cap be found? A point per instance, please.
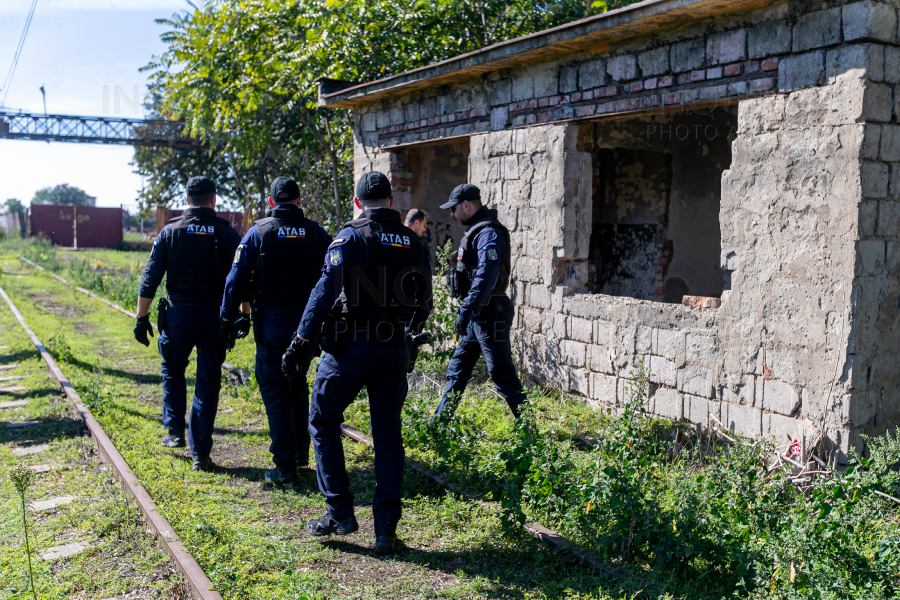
(284, 189)
(200, 186)
(461, 193)
(373, 186)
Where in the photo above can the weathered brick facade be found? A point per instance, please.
(684, 148)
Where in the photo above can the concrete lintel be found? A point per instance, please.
(593, 34)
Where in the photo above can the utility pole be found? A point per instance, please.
(44, 94)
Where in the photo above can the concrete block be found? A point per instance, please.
(871, 257)
(500, 92)
(696, 409)
(696, 381)
(643, 339)
(743, 420)
(553, 325)
(869, 20)
(528, 269)
(817, 29)
(663, 371)
(579, 380)
(669, 343)
(599, 360)
(568, 79)
(782, 429)
(890, 143)
(510, 167)
(769, 39)
(702, 349)
(537, 296)
(878, 103)
(522, 89)
(499, 118)
(573, 353)
(859, 57)
(592, 74)
(654, 62)
(687, 55)
(727, 47)
(580, 329)
(603, 388)
(871, 141)
(622, 68)
(668, 403)
(868, 218)
(531, 319)
(892, 259)
(894, 186)
(801, 71)
(891, 64)
(603, 332)
(874, 178)
(369, 123)
(780, 397)
(383, 119)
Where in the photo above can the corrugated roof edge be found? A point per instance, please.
(636, 19)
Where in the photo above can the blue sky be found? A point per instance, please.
(76, 49)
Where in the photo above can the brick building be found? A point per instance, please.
(710, 186)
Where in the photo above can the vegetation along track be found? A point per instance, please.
(536, 529)
(250, 540)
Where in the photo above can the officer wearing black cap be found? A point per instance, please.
(378, 272)
(194, 252)
(280, 258)
(480, 278)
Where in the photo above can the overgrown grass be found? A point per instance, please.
(122, 557)
(681, 515)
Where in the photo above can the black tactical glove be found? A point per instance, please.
(142, 327)
(462, 322)
(227, 333)
(296, 358)
(242, 326)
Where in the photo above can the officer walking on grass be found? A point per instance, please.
(378, 272)
(480, 278)
(280, 258)
(194, 252)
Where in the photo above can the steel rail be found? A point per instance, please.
(536, 529)
(201, 586)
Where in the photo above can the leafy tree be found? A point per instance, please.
(242, 73)
(13, 205)
(60, 194)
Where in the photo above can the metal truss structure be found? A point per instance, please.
(94, 130)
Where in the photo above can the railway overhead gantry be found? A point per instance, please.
(94, 130)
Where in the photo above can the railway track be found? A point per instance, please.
(200, 585)
(537, 530)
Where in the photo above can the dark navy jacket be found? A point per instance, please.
(490, 246)
(155, 268)
(353, 251)
(238, 284)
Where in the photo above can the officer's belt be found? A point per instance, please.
(268, 311)
(199, 301)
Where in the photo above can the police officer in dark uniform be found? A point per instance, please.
(480, 279)
(194, 252)
(379, 273)
(280, 258)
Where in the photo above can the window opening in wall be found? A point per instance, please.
(656, 196)
(430, 174)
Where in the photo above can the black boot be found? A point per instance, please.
(173, 439)
(202, 463)
(387, 544)
(282, 478)
(327, 525)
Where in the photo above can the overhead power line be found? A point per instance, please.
(15, 62)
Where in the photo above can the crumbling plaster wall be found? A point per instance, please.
(808, 336)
